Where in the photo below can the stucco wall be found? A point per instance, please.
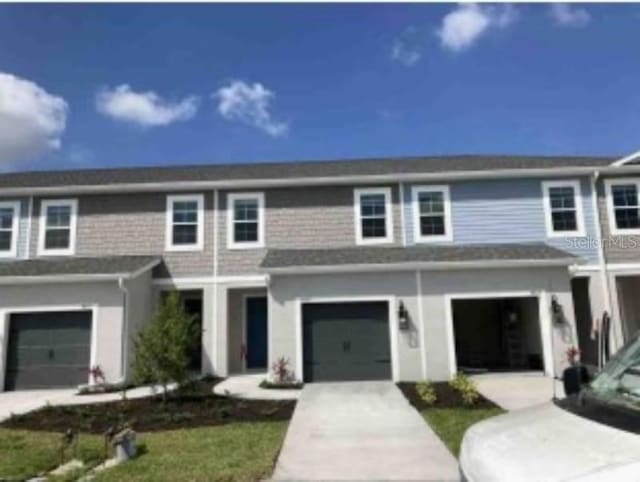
(105, 295)
(403, 286)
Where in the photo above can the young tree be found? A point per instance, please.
(163, 347)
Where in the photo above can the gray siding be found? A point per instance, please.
(134, 224)
(313, 217)
(617, 249)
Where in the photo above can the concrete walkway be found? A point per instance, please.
(23, 401)
(361, 431)
(248, 386)
(517, 390)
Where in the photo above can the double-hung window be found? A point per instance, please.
(9, 229)
(58, 227)
(624, 206)
(245, 220)
(373, 218)
(185, 220)
(563, 208)
(431, 214)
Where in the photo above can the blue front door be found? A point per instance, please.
(256, 332)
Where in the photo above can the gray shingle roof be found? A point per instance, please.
(112, 265)
(284, 170)
(290, 258)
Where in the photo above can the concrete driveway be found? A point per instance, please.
(361, 431)
(517, 390)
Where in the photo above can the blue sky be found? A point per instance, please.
(118, 85)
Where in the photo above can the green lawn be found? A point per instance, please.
(451, 423)
(239, 451)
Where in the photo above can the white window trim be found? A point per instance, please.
(199, 244)
(418, 237)
(577, 197)
(44, 204)
(231, 199)
(609, 183)
(388, 215)
(13, 248)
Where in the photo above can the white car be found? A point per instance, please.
(592, 436)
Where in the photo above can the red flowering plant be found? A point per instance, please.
(573, 355)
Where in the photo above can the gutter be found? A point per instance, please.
(171, 186)
(413, 266)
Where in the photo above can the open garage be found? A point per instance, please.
(497, 334)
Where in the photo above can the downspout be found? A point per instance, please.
(604, 272)
(124, 368)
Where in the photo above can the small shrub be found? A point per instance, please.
(427, 392)
(466, 387)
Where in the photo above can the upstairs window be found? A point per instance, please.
(9, 229)
(184, 223)
(245, 220)
(373, 217)
(624, 207)
(563, 208)
(431, 214)
(58, 227)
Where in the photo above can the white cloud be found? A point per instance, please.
(146, 109)
(31, 120)
(569, 16)
(405, 49)
(250, 105)
(462, 27)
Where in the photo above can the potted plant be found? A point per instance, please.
(576, 374)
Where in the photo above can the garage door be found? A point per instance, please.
(48, 350)
(346, 341)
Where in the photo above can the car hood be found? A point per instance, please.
(547, 443)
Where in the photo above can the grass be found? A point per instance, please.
(25, 454)
(450, 424)
(237, 451)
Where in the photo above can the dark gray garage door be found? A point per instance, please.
(346, 341)
(48, 350)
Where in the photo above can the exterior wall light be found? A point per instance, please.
(403, 317)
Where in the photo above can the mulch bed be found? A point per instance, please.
(194, 406)
(447, 397)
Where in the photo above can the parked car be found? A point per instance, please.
(591, 436)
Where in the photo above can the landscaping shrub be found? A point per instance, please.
(466, 387)
(427, 392)
(163, 347)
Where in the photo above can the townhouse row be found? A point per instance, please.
(401, 269)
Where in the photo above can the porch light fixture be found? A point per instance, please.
(556, 310)
(403, 317)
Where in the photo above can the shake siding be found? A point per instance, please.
(305, 217)
(134, 224)
(507, 211)
(617, 249)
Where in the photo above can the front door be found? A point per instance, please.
(256, 323)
